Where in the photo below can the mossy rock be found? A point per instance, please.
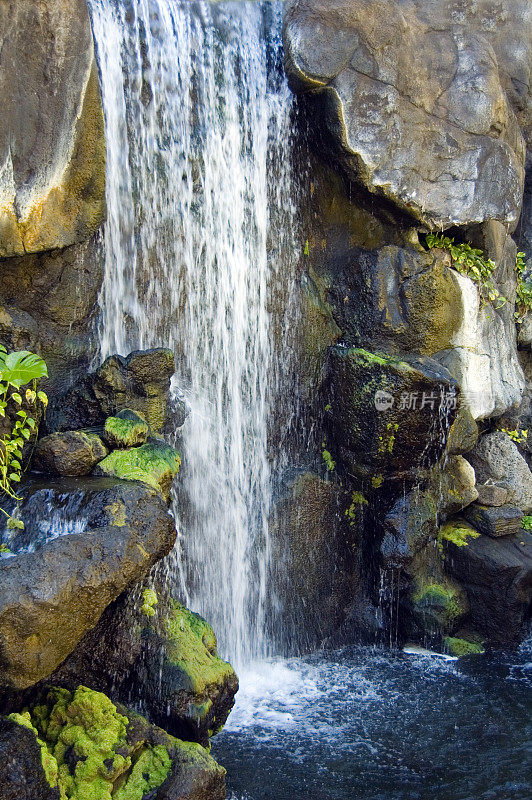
(439, 606)
(384, 411)
(94, 750)
(195, 689)
(154, 463)
(126, 429)
(462, 647)
(458, 533)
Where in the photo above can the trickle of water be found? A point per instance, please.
(199, 197)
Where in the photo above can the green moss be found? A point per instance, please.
(377, 481)
(125, 432)
(191, 647)
(371, 358)
(461, 647)
(149, 772)
(526, 523)
(155, 463)
(49, 763)
(85, 747)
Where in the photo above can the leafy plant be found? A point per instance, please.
(526, 523)
(17, 370)
(470, 261)
(524, 288)
(517, 436)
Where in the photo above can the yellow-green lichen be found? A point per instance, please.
(458, 533)
(330, 463)
(85, 737)
(150, 600)
(462, 647)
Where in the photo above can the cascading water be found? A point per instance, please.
(198, 121)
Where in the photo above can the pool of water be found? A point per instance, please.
(364, 723)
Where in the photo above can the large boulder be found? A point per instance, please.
(497, 577)
(496, 459)
(93, 748)
(389, 418)
(422, 108)
(68, 564)
(139, 382)
(72, 453)
(408, 527)
(151, 649)
(52, 140)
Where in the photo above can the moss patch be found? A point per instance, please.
(123, 432)
(191, 647)
(154, 463)
(462, 647)
(85, 746)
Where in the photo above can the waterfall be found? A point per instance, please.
(200, 217)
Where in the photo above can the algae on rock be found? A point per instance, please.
(154, 463)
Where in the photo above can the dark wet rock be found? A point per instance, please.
(491, 495)
(52, 138)
(497, 577)
(22, 776)
(497, 459)
(72, 453)
(408, 527)
(139, 382)
(161, 655)
(495, 521)
(403, 131)
(388, 417)
(314, 527)
(51, 597)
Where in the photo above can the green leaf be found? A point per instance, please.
(43, 398)
(25, 433)
(14, 477)
(17, 398)
(22, 367)
(15, 523)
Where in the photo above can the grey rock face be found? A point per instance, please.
(384, 412)
(139, 382)
(490, 495)
(51, 597)
(408, 527)
(496, 458)
(52, 143)
(415, 102)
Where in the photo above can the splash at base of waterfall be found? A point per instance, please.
(375, 724)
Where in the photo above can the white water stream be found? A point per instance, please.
(200, 211)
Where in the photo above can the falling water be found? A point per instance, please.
(200, 216)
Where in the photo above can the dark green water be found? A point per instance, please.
(371, 724)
